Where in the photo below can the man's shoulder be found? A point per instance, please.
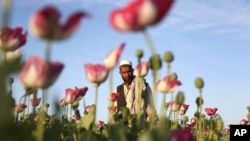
(119, 87)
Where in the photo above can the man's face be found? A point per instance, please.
(126, 73)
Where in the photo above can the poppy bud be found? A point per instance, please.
(199, 83)
(185, 119)
(180, 98)
(75, 104)
(248, 108)
(174, 76)
(219, 126)
(155, 62)
(199, 101)
(47, 105)
(139, 53)
(248, 117)
(168, 57)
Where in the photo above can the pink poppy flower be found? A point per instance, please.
(206, 132)
(96, 73)
(88, 108)
(62, 102)
(11, 56)
(226, 130)
(12, 39)
(142, 68)
(35, 74)
(111, 60)
(211, 111)
(35, 101)
(139, 14)
(173, 106)
(114, 96)
(167, 84)
(76, 116)
(100, 123)
(188, 127)
(20, 107)
(181, 135)
(243, 122)
(45, 23)
(183, 109)
(72, 95)
(193, 121)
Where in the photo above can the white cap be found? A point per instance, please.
(125, 62)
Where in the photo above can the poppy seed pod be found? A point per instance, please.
(197, 114)
(185, 119)
(47, 105)
(219, 126)
(155, 62)
(75, 105)
(174, 76)
(139, 53)
(168, 57)
(199, 83)
(180, 98)
(248, 117)
(199, 101)
(248, 109)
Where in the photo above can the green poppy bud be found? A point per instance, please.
(199, 101)
(180, 98)
(174, 76)
(199, 83)
(155, 62)
(174, 126)
(75, 105)
(47, 105)
(168, 57)
(197, 114)
(77, 111)
(248, 109)
(219, 126)
(248, 117)
(203, 115)
(139, 53)
(185, 119)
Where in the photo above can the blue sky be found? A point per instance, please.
(209, 39)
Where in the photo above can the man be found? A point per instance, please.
(131, 89)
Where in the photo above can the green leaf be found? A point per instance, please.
(87, 121)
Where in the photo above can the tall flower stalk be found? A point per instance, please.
(199, 84)
(6, 6)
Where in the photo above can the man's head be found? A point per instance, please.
(126, 71)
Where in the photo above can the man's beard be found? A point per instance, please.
(128, 80)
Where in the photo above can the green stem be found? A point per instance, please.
(200, 113)
(4, 56)
(149, 42)
(110, 88)
(168, 68)
(34, 107)
(96, 100)
(28, 107)
(48, 50)
(43, 98)
(6, 6)
(163, 111)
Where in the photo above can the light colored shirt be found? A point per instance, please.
(132, 95)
